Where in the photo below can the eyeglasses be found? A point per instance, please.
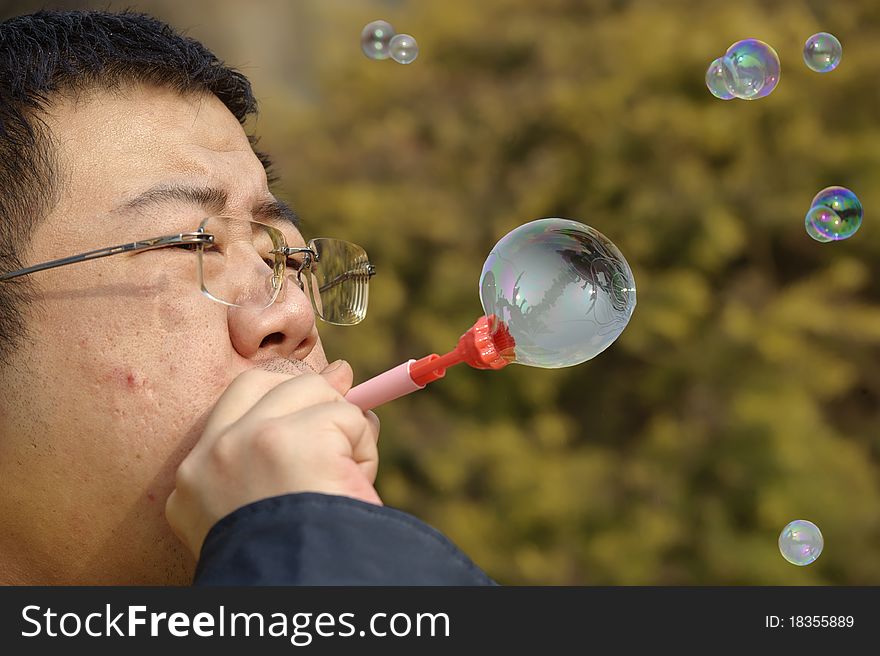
(244, 264)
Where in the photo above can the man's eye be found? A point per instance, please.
(213, 248)
(193, 246)
(296, 261)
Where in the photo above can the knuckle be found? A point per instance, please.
(223, 452)
(350, 415)
(172, 503)
(267, 437)
(185, 475)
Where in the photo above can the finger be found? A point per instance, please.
(364, 448)
(339, 375)
(305, 390)
(259, 394)
(367, 455)
(340, 429)
(336, 426)
(300, 392)
(374, 421)
(242, 393)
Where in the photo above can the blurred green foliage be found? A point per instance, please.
(744, 393)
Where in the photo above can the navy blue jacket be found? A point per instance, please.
(319, 539)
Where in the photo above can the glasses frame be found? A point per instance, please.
(201, 238)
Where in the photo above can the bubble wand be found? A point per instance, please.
(555, 292)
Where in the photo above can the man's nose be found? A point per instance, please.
(284, 329)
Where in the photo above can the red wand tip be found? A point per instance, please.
(487, 344)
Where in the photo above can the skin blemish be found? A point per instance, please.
(151, 496)
(124, 377)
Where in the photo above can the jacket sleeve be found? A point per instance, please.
(318, 539)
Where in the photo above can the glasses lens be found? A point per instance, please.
(340, 276)
(242, 266)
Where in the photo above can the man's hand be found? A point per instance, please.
(271, 434)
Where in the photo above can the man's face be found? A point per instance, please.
(127, 356)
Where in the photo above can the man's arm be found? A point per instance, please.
(318, 539)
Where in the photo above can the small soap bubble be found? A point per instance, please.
(376, 38)
(801, 542)
(750, 69)
(835, 214)
(715, 80)
(404, 49)
(821, 223)
(822, 52)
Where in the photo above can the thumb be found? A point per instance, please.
(339, 375)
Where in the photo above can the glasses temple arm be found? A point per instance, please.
(142, 245)
(348, 275)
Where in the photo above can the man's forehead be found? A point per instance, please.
(154, 112)
(116, 143)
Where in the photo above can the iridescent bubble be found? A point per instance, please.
(835, 214)
(750, 69)
(821, 222)
(376, 38)
(801, 542)
(404, 49)
(715, 80)
(822, 52)
(562, 289)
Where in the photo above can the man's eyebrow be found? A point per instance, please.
(212, 199)
(278, 210)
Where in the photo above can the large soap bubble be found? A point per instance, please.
(563, 291)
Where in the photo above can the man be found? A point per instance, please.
(168, 413)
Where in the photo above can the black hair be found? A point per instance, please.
(68, 52)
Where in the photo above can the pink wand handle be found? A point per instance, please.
(385, 387)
